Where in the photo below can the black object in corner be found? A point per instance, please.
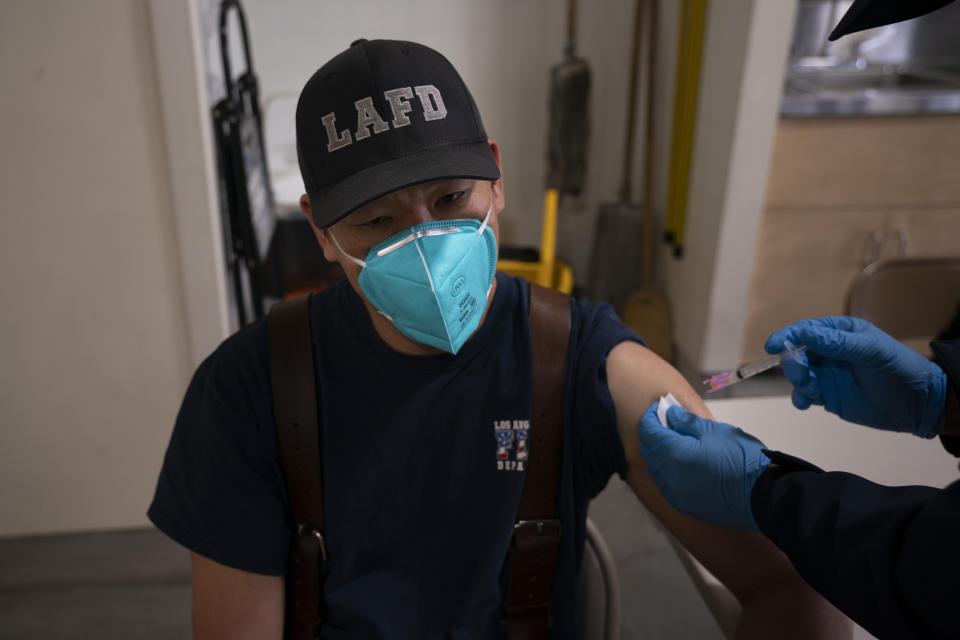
(244, 179)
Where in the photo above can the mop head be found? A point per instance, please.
(569, 126)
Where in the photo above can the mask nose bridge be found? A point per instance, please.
(423, 216)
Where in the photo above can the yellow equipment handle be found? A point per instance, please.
(693, 17)
(547, 271)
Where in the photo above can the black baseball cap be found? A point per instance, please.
(867, 14)
(382, 116)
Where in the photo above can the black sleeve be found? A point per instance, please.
(888, 557)
(947, 354)
(221, 492)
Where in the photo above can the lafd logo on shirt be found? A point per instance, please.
(511, 443)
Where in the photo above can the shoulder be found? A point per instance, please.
(513, 288)
(596, 329)
(245, 354)
(229, 395)
(240, 360)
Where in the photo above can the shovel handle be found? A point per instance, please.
(631, 102)
(570, 48)
(647, 268)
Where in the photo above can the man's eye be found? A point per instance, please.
(375, 222)
(451, 197)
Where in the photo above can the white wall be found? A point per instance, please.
(744, 60)
(93, 331)
(504, 50)
(190, 158)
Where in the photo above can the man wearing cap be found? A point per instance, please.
(886, 556)
(424, 376)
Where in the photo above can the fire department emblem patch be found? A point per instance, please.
(511, 438)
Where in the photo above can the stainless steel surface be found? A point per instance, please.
(885, 90)
(845, 80)
(911, 67)
(928, 40)
(812, 25)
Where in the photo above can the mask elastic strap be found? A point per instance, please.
(486, 218)
(483, 225)
(356, 260)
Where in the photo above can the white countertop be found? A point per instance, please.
(834, 445)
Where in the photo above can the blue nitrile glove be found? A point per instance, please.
(863, 375)
(704, 469)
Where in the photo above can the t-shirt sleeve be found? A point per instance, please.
(221, 491)
(595, 330)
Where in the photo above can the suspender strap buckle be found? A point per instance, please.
(536, 532)
(306, 531)
(308, 553)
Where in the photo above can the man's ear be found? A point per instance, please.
(498, 197)
(305, 208)
(329, 250)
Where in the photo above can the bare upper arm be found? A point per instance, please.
(742, 560)
(235, 604)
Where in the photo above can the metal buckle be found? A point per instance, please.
(538, 525)
(549, 528)
(307, 530)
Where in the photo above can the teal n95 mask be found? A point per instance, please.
(432, 280)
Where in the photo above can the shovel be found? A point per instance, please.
(645, 310)
(615, 262)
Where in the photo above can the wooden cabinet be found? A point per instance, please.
(851, 163)
(842, 194)
(927, 232)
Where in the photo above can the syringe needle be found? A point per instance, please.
(727, 378)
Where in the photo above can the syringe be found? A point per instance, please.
(727, 378)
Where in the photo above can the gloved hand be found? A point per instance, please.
(704, 469)
(863, 375)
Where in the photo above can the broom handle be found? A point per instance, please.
(571, 47)
(631, 103)
(647, 272)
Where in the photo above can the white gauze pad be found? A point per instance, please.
(665, 403)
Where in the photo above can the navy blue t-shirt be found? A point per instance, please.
(422, 462)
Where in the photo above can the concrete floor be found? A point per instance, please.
(118, 584)
(658, 598)
(136, 584)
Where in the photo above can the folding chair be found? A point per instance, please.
(598, 601)
(912, 299)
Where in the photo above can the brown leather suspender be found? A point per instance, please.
(535, 543)
(293, 381)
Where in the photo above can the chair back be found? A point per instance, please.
(912, 299)
(598, 597)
